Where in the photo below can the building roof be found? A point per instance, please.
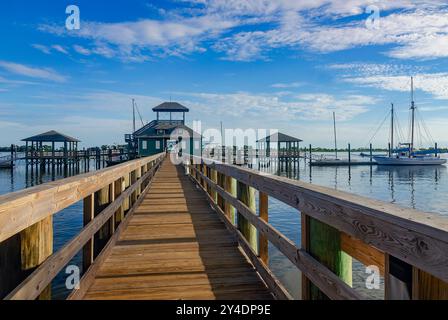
(52, 136)
(279, 137)
(170, 107)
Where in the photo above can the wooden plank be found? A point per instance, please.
(305, 247)
(88, 216)
(22, 209)
(428, 287)
(167, 258)
(368, 255)
(268, 277)
(263, 245)
(418, 238)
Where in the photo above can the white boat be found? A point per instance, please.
(406, 161)
(407, 155)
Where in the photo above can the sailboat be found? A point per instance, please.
(406, 154)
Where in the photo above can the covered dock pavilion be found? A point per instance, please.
(38, 153)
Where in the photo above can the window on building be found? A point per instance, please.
(145, 145)
(196, 145)
(158, 145)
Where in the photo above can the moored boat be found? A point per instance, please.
(407, 155)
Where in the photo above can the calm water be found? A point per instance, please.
(422, 188)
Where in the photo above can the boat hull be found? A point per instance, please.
(409, 161)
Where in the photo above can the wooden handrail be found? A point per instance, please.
(22, 209)
(417, 238)
(329, 283)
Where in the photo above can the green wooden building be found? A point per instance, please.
(164, 133)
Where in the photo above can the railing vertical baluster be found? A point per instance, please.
(230, 187)
(112, 220)
(134, 194)
(89, 215)
(214, 178)
(325, 246)
(264, 215)
(125, 185)
(246, 195)
(119, 188)
(139, 175)
(204, 171)
(221, 183)
(102, 200)
(37, 245)
(305, 246)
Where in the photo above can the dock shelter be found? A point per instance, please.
(279, 145)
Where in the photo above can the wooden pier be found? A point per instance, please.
(194, 231)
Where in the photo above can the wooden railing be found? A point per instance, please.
(110, 196)
(336, 227)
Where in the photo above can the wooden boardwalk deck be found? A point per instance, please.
(176, 247)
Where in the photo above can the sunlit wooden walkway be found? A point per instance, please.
(176, 247)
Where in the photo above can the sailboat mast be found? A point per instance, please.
(335, 137)
(413, 116)
(392, 128)
(133, 114)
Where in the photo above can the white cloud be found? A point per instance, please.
(287, 85)
(126, 40)
(48, 49)
(59, 48)
(394, 77)
(435, 84)
(32, 72)
(42, 48)
(267, 106)
(421, 34)
(16, 82)
(82, 50)
(416, 29)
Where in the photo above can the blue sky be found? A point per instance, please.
(285, 65)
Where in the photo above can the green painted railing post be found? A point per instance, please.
(325, 246)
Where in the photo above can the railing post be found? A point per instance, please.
(125, 184)
(263, 250)
(36, 246)
(89, 215)
(246, 195)
(138, 176)
(325, 246)
(221, 182)
(112, 221)
(134, 194)
(230, 186)
(102, 200)
(305, 246)
(214, 178)
(119, 188)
